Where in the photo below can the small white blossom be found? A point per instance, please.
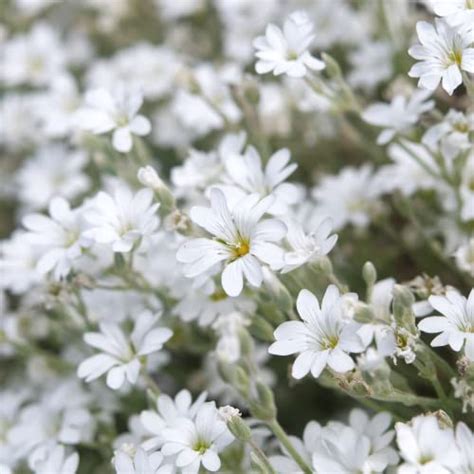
(398, 116)
(121, 355)
(457, 323)
(240, 239)
(198, 442)
(425, 447)
(287, 51)
(444, 53)
(464, 256)
(58, 237)
(123, 219)
(140, 462)
(307, 247)
(324, 337)
(56, 461)
(105, 112)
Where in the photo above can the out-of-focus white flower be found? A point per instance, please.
(452, 133)
(105, 112)
(123, 219)
(228, 327)
(457, 323)
(56, 461)
(307, 247)
(372, 64)
(145, 67)
(52, 171)
(240, 239)
(197, 442)
(413, 168)
(465, 443)
(464, 256)
(351, 197)
(140, 462)
(167, 415)
(58, 237)
(35, 58)
(398, 116)
(245, 175)
(287, 51)
(444, 52)
(121, 356)
(467, 188)
(425, 447)
(324, 337)
(456, 12)
(172, 10)
(148, 176)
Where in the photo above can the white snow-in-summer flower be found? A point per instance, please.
(58, 238)
(244, 174)
(465, 443)
(444, 53)
(54, 170)
(398, 116)
(140, 462)
(307, 247)
(198, 442)
(105, 112)
(458, 13)
(240, 239)
(123, 219)
(457, 323)
(425, 447)
(56, 461)
(168, 412)
(121, 356)
(325, 336)
(287, 51)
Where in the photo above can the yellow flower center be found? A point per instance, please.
(218, 295)
(455, 57)
(331, 342)
(242, 248)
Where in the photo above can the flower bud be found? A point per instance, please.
(332, 66)
(363, 313)
(370, 274)
(263, 406)
(233, 420)
(262, 329)
(403, 301)
(148, 176)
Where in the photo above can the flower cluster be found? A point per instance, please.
(237, 204)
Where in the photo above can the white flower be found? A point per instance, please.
(198, 442)
(56, 461)
(453, 133)
(245, 175)
(123, 219)
(398, 116)
(465, 443)
(465, 256)
(287, 51)
(349, 197)
(324, 337)
(467, 188)
(121, 355)
(425, 447)
(307, 247)
(52, 171)
(457, 323)
(148, 176)
(240, 239)
(58, 237)
(140, 462)
(168, 413)
(457, 12)
(104, 112)
(444, 52)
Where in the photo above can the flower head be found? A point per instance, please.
(241, 240)
(286, 52)
(121, 356)
(324, 337)
(457, 323)
(444, 52)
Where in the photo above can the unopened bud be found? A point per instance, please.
(148, 176)
(369, 273)
(403, 301)
(246, 342)
(263, 406)
(241, 381)
(332, 66)
(233, 420)
(444, 421)
(280, 295)
(262, 329)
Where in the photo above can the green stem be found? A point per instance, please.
(263, 457)
(151, 384)
(279, 432)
